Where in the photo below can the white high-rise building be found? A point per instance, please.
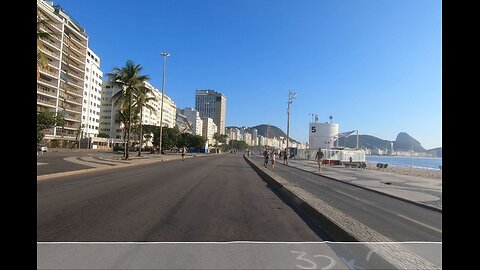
(195, 121)
(91, 96)
(254, 136)
(247, 138)
(108, 112)
(209, 128)
(150, 116)
(60, 86)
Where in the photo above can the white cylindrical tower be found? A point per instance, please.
(322, 135)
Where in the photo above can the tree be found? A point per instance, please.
(143, 96)
(128, 79)
(197, 141)
(240, 145)
(42, 22)
(170, 137)
(190, 141)
(46, 120)
(121, 118)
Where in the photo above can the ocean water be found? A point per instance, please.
(401, 161)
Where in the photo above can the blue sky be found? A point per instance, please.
(374, 65)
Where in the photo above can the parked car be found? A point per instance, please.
(42, 148)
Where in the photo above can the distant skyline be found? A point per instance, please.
(374, 65)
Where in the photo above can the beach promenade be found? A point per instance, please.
(424, 187)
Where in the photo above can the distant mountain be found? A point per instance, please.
(403, 142)
(269, 131)
(367, 141)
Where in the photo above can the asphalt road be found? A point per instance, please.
(53, 162)
(217, 198)
(394, 218)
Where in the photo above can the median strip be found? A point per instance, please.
(97, 169)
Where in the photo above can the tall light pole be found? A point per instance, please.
(291, 96)
(165, 55)
(206, 126)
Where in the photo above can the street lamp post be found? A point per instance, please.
(165, 55)
(206, 126)
(291, 96)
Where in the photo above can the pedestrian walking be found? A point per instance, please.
(285, 157)
(183, 153)
(319, 158)
(272, 157)
(265, 155)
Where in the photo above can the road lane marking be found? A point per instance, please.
(420, 223)
(86, 163)
(358, 199)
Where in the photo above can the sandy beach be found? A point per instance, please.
(434, 174)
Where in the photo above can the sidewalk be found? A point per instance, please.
(419, 190)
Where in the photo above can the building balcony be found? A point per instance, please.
(70, 98)
(74, 74)
(46, 90)
(72, 126)
(71, 61)
(69, 107)
(47, 81)
(72, 65)
(49, 71)
(77, 60)
(48, 131)
(71, 88)
(51, 42)
(52, 53)
(80, 42)
(46, 101)
(75, 49)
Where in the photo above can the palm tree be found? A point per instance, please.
(122, 118)
(143, 96)
(42, 60)
(128, 79)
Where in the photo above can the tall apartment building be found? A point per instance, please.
(212, 104)
(150, 116)
(209, 128)
(91, 96)
(60, 86)
(254, 136)
(169, 111)
(195, 121)
(108, 112)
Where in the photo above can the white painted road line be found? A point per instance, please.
(420, 223)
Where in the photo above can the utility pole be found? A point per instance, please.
(357, 138)
(291, 96)
(206, 126)
(165, 55)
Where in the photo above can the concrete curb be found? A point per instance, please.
(374, 190)
(341, 226)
